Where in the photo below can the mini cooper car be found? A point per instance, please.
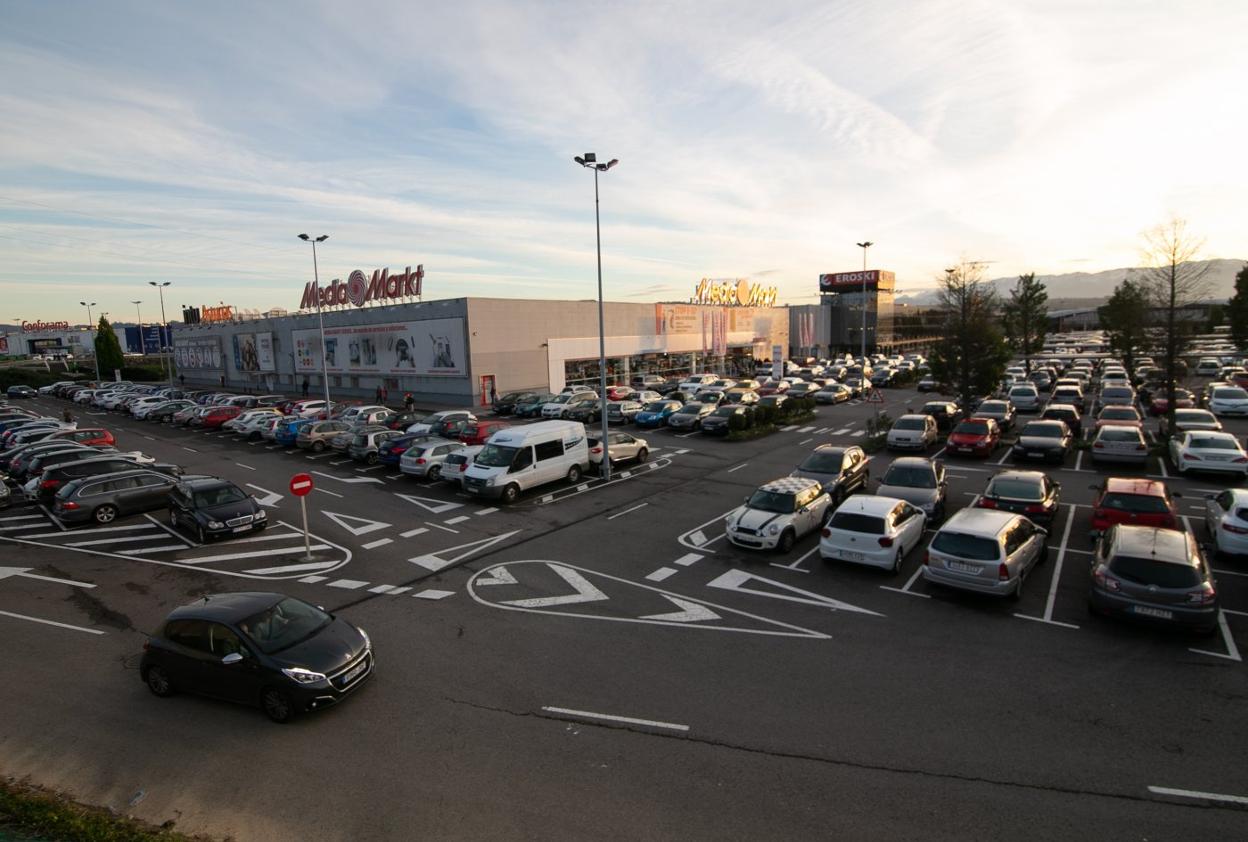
(779, 513)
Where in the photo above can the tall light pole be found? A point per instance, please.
(94, 355)
(316, 277)
(590, 160)
(164, 326)
(864, 246)
(139, 318)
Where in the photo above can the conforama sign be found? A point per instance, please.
(360, 289)
(850, 281)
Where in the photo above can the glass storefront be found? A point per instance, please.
(738, 362)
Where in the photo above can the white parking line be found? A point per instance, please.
(51, 623)
(20, 517)
(241, 465)
(661, 574)
(491, 510)
(620, 514)
(411, 533)
(324, 491)
(1203, 796)
(797, 564)
(347, 584)
(440, 526)
(688, 559)
(909, 584)
(233, 556)
(804, 441)
(736, 468)
(380, 542)
(610, 718)
(166, 548)
(1057, 575)
(190, 449)
(97, 529)
(455, 520)
(857, 433)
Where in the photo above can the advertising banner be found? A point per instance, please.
(676, 318)
(200, 353)
(253, 352)
(851, 281)
(432, 347)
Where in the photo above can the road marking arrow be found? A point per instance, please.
(367, 527)
(737, 580)
(270, 498)
(692, 613)
(430, 503)
(347, 479)
(585, 592)
(498, 576)
(440, 560)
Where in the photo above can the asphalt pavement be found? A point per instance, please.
(597, 662)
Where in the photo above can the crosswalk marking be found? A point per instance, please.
(348, 584)
(433, 593)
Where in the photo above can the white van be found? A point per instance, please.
(520, 458)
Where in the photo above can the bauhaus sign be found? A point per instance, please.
(849, 281)
(359, 289)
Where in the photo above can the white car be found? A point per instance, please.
(646, 396)
(1025, 398)
(779, 513)
(252, 424)
(555, 408)
(623, 446)
(1208, 367)
(872, 530)
(1228, 400)
(140, 403)
(912, 432)
(424, 425)
(691, 384)
(1226, 518)
(1208, 451)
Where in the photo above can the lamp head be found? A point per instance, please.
(322, 238)
(590, 158)
(867, 244)
(579, 160)
(304, 237)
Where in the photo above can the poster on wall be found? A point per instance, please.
(676, 318)
(253, 352)
(201, 353)
(432, 347)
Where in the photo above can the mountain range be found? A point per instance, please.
(1100, 285)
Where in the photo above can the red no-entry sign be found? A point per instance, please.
(300, 484)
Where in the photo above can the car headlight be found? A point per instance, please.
(299, 675)
(490, 480)
(261, 515)
(773, 530)
(215, 524)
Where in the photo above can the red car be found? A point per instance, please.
(478, 432)
(219, 415)
(975, 437)
(1183, 399)
(1137, 502)
(90, 436)
(774, 387)
(620, 393)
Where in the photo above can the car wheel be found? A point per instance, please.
(158, 682)
(372, 460)
(1017, 593)
(318, 446)
(574, 473)
(105, 514)
(510, 493)
(787, 539)
(897, 559)
(277, 705)
(642, 455)
(435, 473)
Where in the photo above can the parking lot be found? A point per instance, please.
(623, 605)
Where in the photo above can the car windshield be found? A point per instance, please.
(497, 456)
(1230, 394)
(724, 411)
(1012, 488)
(855, 522)
(772, 501)
(965, 546)
(360, 439)
(1116, 392)
(1193, 416)
(822, 462)
(219, 496)
(1147, 571)
(909, 476)
(1120, 413)
(1214, 442)
(690, 409)
(910, 424)
(1139, 503)
(992, 408)
(1023, 392)
(1043, 431)
(656, 406)
(284, 625)
(972, 428)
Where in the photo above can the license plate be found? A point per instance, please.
(241, 528)
(1159, 613)
(472, 489)
(960, 567)
(849, 555)
(965, 449)
(1034, 454)
(354, 672)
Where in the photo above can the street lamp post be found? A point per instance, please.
(164, 326)
(590, 160)
(138, 314)
(94, 353)
(864, 246)
(316, 277)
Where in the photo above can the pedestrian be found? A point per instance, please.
(182, 380)
(377, 395)
(493, 394)
(385, 396)
(222, 381)
(67, 416)
(408, 402)
(305, 387)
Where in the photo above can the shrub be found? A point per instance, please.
(738, 422)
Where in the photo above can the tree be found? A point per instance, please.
(971, 355)
(1173, 281)
(1125, 320)
(1237, 310)
(107, 349)
(1025, 316)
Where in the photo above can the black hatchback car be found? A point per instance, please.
(266, 649)
(210, 507)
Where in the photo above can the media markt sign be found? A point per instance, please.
(359, 289)
(736, 292)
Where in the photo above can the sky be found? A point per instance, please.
(192, 142)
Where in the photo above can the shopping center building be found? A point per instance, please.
(454, 351)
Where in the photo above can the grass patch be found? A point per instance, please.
(43, 815)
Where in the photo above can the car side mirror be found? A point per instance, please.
(232, 659)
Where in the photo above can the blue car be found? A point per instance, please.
(656, 413)
(392, 451)
(288, 431)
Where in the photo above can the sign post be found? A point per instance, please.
(300, 486)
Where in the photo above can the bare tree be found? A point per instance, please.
(1173, 280)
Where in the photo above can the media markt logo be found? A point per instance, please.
(359, 289)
